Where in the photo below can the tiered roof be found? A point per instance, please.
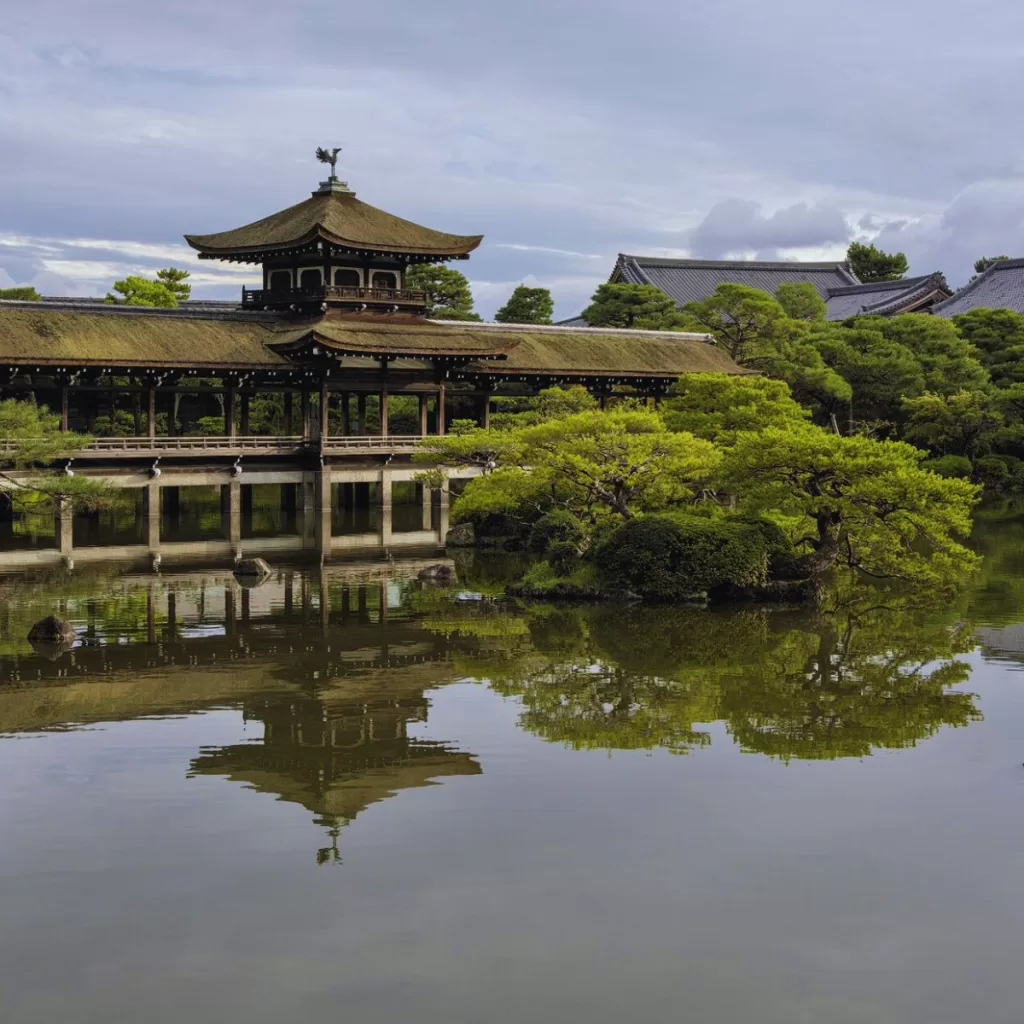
(886, 298)
(333, 216)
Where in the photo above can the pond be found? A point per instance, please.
(346, 795)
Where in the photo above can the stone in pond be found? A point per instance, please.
(461, 535)
(52, 630)
(440, 573)
(252, 567)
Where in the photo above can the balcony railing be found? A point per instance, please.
(262, 298)
(128, 447)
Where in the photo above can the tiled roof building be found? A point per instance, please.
(1000, 286)
(687, 280)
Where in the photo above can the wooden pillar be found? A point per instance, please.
(305, 414)
(151, 411)
(346, 424)
(229, 410)
(384, 413)
(289, 415)
(485, 412)
(444, 510)
(151, 510)
(384, 485)
(64, 407)
(244, 416)
(440, 411)
(604, 401)
(66, 537)
(424, 399)
(325, 411)
(361, 412)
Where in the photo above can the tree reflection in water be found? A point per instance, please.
(822, 685)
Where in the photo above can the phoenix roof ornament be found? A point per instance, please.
(328, 156)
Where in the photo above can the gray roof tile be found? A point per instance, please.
(882, 297)
(1001, 286)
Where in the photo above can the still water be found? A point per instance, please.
(345, 796)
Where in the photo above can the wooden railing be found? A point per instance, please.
(259, 298)
(105, 447)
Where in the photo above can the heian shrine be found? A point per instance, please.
(338, 340)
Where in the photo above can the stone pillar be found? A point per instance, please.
(230, 394)
(424, 401)
(445, 493)
(346, 421)
(384, 413)
(244, 416)
(66, 529)
(151, 411)
(440, 411)
(234, 490)
(361, 414)
(151, 511)
(384, 507)
(322, 509)
(425, 496)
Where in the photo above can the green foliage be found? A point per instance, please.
(716, 406)
(642, 306)
(33, 440)
(991, 471)
(949, 362)
(800, 300)
(564, 557)
(954, 467)
(527, 306)
(854, 501)
(671, 558)
(869, 263)
(740, 318)
(557, 526)
(175, 280)
(24, 293)
(448, 290)
(140, 291)
(956, 424)
(998, 336)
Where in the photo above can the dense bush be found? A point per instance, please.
(992, 471)
(563, 557)
(672, 557)
(955, 467)
(554, 526)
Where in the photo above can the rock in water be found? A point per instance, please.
(252, 567)
(52, 630)
(440, 573)
(461, 535)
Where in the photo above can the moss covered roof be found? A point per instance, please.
(588, 352)
(31, 334)
(42, 334)
(340, 219)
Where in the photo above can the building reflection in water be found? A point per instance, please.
(333, 665)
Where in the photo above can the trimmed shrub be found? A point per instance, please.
(674, 557)
(554, 526)
(563, 557)
(955, 467)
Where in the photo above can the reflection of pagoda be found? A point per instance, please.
(336, 756)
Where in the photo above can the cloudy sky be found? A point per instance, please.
(566, 131)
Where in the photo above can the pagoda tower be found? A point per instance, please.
(333, 252)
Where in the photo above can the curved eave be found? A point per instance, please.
(208, 249)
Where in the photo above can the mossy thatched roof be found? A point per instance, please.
(118, 336)
(339, 219)
(30, 334)
(587, 352)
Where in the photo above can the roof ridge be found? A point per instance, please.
(626, 332)
(117, 309)
(903, 283)
(761, 264)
